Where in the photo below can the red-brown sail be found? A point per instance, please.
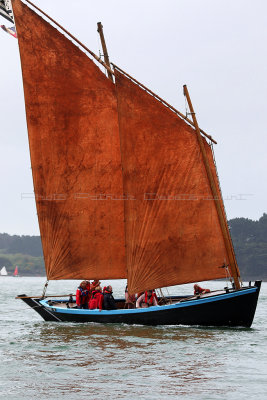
(161, 201)
(173, 235)
(75, 153)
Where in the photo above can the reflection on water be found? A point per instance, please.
(52, 361)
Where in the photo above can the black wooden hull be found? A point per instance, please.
(229, 308)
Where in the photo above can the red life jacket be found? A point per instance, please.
(149, 300)
(200, 290)
(96, 300)
(81, 296)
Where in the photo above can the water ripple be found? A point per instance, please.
(72, 361)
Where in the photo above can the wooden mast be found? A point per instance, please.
(104, 47)
(216, 196)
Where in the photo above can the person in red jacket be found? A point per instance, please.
(200, 290)
(82, 295)
(96, 300)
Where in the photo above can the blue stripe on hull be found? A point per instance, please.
(152, 309)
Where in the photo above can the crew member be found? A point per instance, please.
(130, 299)
(147, 299)
(94, 284)
(108, 301)
(96, 299)
(199, 290)
(82, 295)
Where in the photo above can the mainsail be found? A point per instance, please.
(173, 233)
(121, 188)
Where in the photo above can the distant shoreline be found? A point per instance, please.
(249, 240)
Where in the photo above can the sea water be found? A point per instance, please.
(50, 360)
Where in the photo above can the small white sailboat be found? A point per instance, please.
(3, 271)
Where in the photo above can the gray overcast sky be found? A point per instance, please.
(218, 48)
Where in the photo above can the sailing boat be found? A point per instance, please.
(3, 271)
(16, 271)
(125, 187)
